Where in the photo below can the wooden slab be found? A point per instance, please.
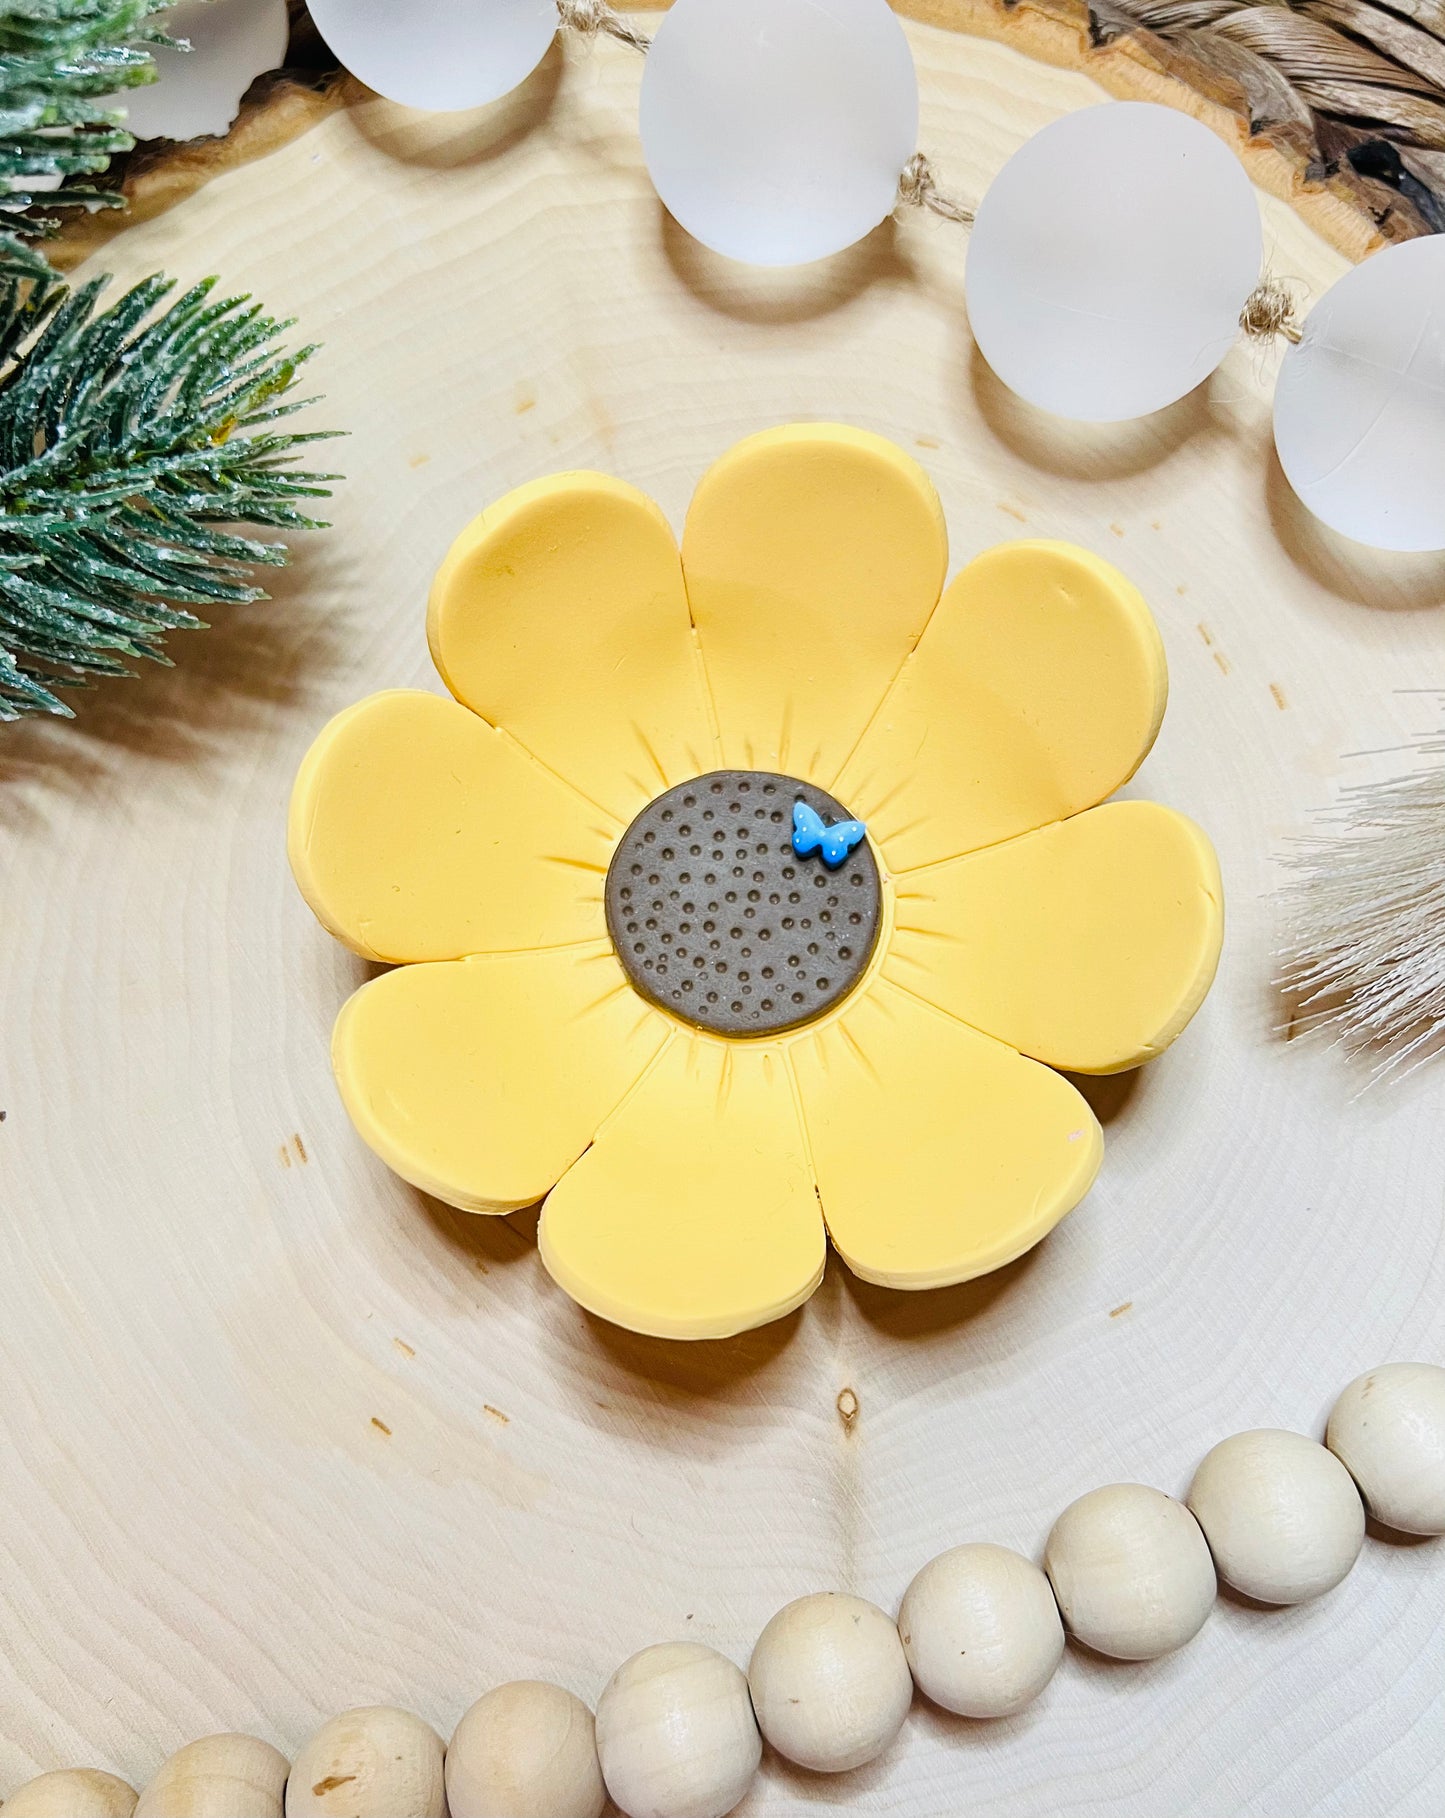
(1353, 212)
(281, 1436)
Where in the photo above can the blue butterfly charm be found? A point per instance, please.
(811, 835)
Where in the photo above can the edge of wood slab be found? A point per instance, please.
(1350, 212)
(161, 179)
(1142, 67)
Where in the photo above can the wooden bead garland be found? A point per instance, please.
(981, 1631)
(72, 1793)
(219, 1777)
(375, 1762)
(1129, 1570)
(830, 1682)
(1388, 1430)
(525, 1750)
(1282, 1516)
(676, 1734)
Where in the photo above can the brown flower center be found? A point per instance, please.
(718, 919)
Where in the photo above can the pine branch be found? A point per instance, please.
(128, 437)
(59, 59)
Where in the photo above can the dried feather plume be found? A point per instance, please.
(1363, 958)
(1344, 85)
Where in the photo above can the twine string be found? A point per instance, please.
(591, 18)
(918, 188)
(1268, 309)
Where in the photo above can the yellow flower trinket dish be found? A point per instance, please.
(759, 892)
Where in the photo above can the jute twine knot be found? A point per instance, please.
(1268, 311)
(918, 188)
(595, 17)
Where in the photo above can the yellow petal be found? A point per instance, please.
(1036, 691)
(814, 555)
(560, 615)
(693, 1215)
(482, 1080)
(1088, 944)
(418, 832)
(939, 1153)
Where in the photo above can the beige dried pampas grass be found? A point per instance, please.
(1363, 956)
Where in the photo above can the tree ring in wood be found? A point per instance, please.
(717, 919)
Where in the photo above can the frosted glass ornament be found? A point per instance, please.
(1359, 406)
(1110, 260)
(438, 55)
(775, 131)
(197, 93)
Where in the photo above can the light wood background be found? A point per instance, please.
(281, 1436)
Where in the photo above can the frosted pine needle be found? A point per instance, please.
(62, 65)
(1364, 951)
(136, 441)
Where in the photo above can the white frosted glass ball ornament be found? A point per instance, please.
(775, 131)
(1110, 259)
(438, 55)
(1359, 406)
(197, 93)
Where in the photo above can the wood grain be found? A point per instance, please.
(1353, 213)
(282, 1437)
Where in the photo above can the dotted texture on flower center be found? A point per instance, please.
(717, 919)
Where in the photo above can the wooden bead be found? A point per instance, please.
(981, 1631)
(72, 1793)
(1282, 1516)
(830, 1682)
(526, 1750)
(375, 1762)
(1131, 1571)
(676, 1734)
(218, 1777)
(1388, 1429)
